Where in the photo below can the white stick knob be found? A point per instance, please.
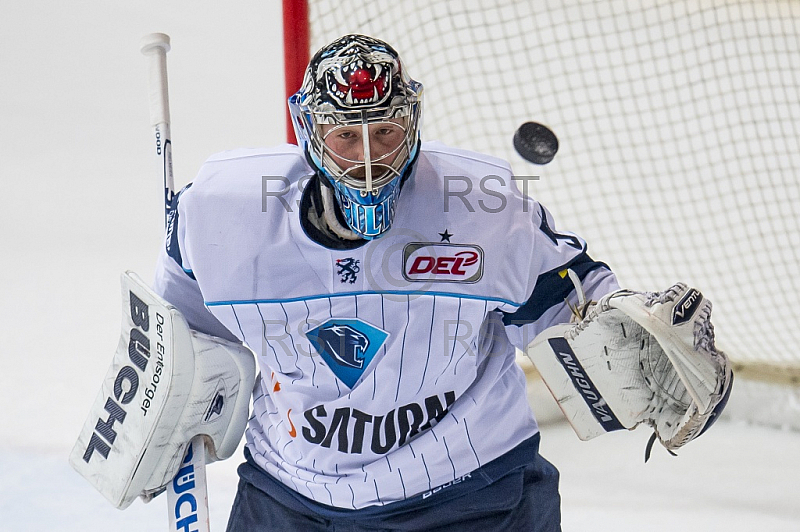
(156, 46)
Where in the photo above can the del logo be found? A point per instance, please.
(442, 263)
(347, 345)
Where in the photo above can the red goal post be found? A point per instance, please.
(296, 51)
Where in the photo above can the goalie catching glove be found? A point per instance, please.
(638, 357)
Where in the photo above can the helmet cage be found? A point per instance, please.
(380, 168)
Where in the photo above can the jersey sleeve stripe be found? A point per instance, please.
(551, 289)
(171, 242)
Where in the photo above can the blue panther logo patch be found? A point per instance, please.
(347, 346)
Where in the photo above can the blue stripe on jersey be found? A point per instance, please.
(403, 348)
(430, 339)
(550, 290)
(447, 450)
(238, 323)
(400, 474)
(455, 369)
(173, 249)
(378, 292)
(294, 346)
(264, 335)
(453, 350)
(314, 372)
(430, 486)
(472, 447)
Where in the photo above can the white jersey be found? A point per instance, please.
(389, 369)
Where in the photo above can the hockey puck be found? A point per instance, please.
(535, 143)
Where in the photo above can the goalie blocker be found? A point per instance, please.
(166, 385)
(638, 358)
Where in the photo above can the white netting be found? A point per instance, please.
(678, 126)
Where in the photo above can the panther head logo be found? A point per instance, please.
(347, 346)
(344, 344)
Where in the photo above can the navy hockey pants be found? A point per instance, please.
(524, 499)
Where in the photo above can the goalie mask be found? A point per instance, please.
(357, 117)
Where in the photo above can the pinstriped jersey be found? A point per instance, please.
(387, 369)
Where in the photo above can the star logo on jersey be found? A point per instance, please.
(446, 236)
(347, 346)
(347, 269)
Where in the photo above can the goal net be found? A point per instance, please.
(678, 123)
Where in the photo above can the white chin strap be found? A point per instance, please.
(329, 214)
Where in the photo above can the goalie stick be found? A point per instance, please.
(155, 46)
(187, 494)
